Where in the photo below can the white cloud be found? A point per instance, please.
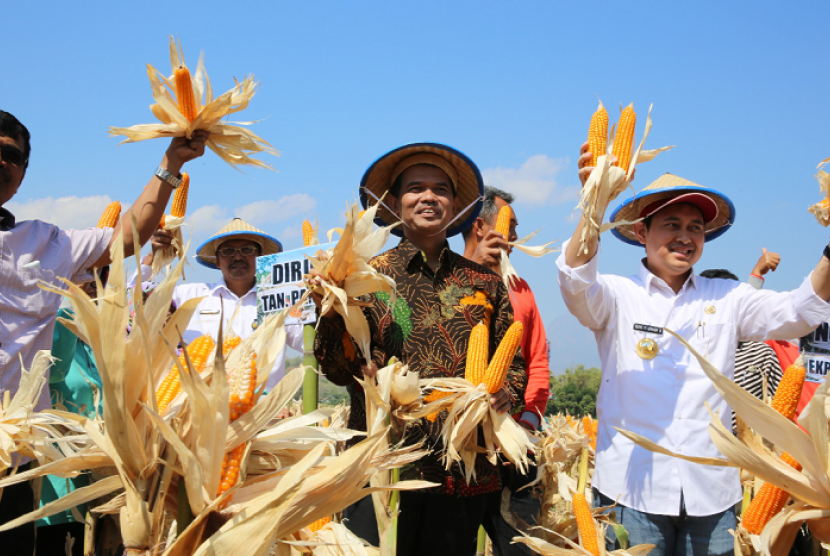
(65, 212)
(534, 182)
(265, 212)
(207, 220)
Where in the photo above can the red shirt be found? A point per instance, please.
(534, 350)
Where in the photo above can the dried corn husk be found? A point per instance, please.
(164, 257)
(233, 143)
(810, 487)
(334, 539)
(345, 273)
(605, 184)
(821, 210)
(547, 549)
(468, 408)
(506, 270)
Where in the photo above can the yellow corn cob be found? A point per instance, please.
(497, 369)
(585, 524)
(624, 140)
(767, 502)
(788, 393)
(589, 427)
(242, 387)
(319, 524)
(184, 94)
(198, 350)
(110, 216)
(503, 221)
(431, 397)
(161, 222)
(360, 214)
(179, 206)
(308, 233)
(598, 134)
(477, 354)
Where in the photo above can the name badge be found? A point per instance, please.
(209, 312)
(648, 328)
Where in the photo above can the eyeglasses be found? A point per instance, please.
(12, 155)
(245, 251)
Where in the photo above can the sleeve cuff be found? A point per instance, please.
(531, 418)
(756, 282)
(577, 279)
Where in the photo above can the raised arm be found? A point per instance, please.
(151, 203)
(820, 279)
(575, 256)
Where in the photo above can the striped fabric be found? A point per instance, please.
(754, 361)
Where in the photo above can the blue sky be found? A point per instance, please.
(739, 87)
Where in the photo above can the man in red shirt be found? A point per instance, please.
(483, 244)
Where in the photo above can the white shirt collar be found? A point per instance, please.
(649, 279)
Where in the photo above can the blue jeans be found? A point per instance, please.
(682, 535)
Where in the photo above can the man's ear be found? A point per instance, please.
(393, 204)
(478, 228)
(640, 232)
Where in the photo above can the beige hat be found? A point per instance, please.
(717, 209)
(237, 229)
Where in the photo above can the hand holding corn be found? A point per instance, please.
(161, 239)
(488, 252)
(183, 150)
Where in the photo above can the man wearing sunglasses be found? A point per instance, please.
(233, 250)
(31, 252)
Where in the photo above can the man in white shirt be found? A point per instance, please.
(233, 250)
(653, 386)
(32, 251)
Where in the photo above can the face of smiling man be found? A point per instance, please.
(11, 173)
(673, 241)
(426, 202)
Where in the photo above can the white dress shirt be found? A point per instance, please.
(32, 251)
(219, 300)
(663, 398)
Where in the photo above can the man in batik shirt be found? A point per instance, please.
(435, 191)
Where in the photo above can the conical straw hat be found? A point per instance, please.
(664, 188)
(468, 183)
(237, 229)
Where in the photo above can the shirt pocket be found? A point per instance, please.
(30, 298)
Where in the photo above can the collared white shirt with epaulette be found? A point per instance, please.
(664, 398)
(219, 300)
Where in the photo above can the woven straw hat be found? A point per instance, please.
(467, 181)
(237, 229)
(665, 188)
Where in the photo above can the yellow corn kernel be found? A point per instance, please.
(320, 523)
(624, 140)
(184, 94)
(598, 134)
(585, 524)
(242, 386)
(767, 502)
(478, 352)
(230, 343)
(198, 350)
(498, 367)
(179, 206)
(503, 221)
(161, 222)
(110, 216)
(788, 393)
(433, 396)
(308, 233)
(589, 427)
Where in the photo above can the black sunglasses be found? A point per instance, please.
(245, 250)
(12, 155)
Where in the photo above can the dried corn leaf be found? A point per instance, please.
(164, 257)
(821, 210)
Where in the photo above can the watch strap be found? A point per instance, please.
(164, 175)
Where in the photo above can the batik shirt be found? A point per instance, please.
(427, 329)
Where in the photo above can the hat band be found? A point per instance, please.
(450, 223)
(429, 159)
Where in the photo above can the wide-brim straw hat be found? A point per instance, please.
(468, 183)
(664, 188)
(237, 229)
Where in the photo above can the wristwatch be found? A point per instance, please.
(164, 175)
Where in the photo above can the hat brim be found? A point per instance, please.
(469, 190)
(206, 253)
(633, 207)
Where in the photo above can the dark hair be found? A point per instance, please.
(719, 273)
(11, 127)
(488, 208)
(395, 190)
